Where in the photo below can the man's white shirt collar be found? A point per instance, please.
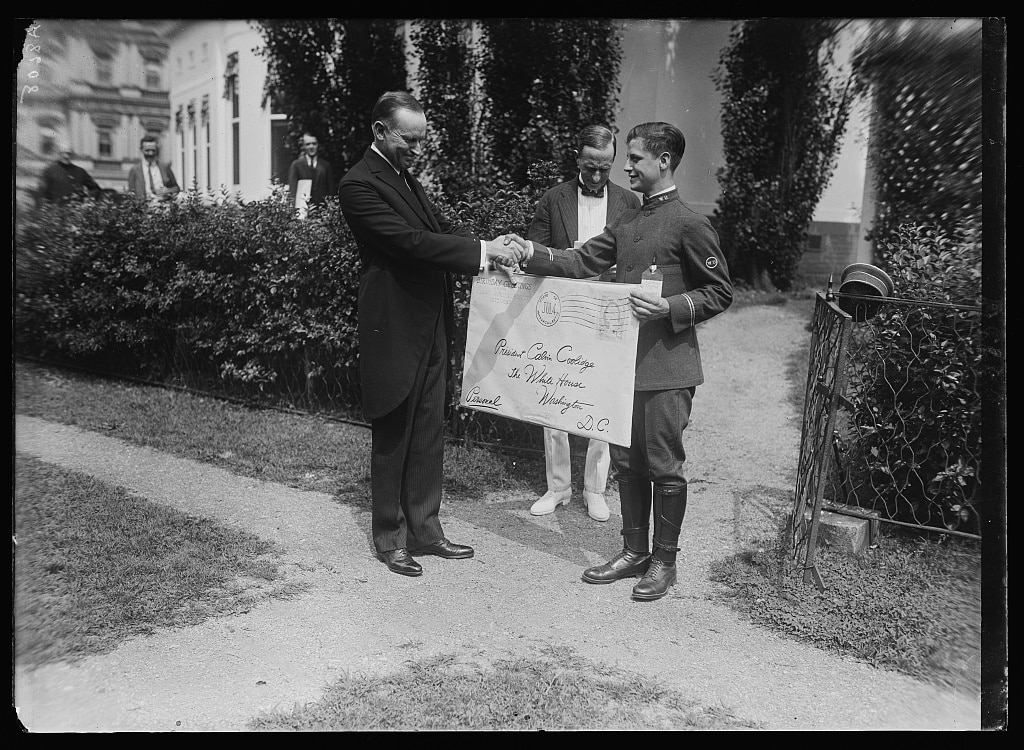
(374, 147)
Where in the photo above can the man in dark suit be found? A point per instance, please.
(64, 179)
(567, 215)
(406, 314)
(310, 166)
(666, 233)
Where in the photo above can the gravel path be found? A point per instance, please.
(521, 593)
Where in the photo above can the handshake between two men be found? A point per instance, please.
(507, 251)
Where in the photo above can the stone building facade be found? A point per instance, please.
(100, 85)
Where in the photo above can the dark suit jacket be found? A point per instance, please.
(408, 250)
(137, 179)
(60, 181)
(322, 177)
(555, 221)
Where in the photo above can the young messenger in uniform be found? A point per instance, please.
(684, 246)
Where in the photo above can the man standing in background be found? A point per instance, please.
(568, 215)
(310, 177)
(149, 179)
(63, 179)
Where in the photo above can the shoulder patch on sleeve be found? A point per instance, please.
(711, 262)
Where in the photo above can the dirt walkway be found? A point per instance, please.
(520, 594)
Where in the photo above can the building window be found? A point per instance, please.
(209, 185)
(236, 172)
(204, 118)
(181, 155)
(106, 144)
(190, 110)
(231, 93)
(152, 75)
(104, 69)
(179, 129)
(281, 154)
(814, 242)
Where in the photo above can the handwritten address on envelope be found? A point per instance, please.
(554, 352)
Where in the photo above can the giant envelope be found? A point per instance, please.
(554, 352)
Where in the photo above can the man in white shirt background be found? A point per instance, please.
(310, 177)
(149, 179)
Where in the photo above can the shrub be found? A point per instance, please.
(89, 277)
(916, 381)
(241, 299)
(237, 296)
(783, 117)
(925, 78)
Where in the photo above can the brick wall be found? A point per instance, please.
(832, 246)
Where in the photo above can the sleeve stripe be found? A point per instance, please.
(693, 312)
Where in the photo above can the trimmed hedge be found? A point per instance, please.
(242, 299)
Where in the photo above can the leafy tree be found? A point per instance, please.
(447, 91)
(924, 77)
(783, 117)
(318, 74)
(543, 80)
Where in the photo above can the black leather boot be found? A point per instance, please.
(635, 497)
(669, 509)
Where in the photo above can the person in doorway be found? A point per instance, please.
(148, 179)
(666, 233)
(316, 169)
(408, 251)
(566, 216)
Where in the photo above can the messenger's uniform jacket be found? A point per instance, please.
(684, 246)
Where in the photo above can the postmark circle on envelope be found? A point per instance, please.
(549, 308)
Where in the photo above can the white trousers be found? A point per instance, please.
(556, 460)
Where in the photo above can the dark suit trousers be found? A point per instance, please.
(406, 458)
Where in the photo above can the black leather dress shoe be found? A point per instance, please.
(400, 561)
(446, 549)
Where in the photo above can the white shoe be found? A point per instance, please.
(597, 508)
(549, 501)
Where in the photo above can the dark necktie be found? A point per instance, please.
(408, 180)
(592, 193)
(647, 199)
(149, 171)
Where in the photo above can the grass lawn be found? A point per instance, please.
(96, 566)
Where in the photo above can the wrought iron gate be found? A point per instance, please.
(826, 386)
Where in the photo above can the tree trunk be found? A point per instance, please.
(757, 273)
